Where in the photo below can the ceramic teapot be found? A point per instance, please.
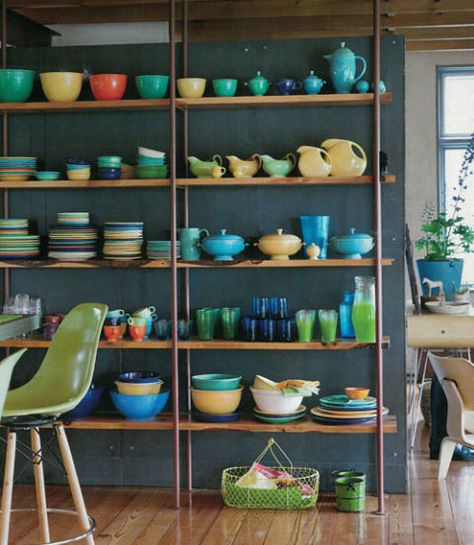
(347, 158)
(258, 85)
(314, 162)
(278, 168)
(342, 67)
(203, 169)
(244, 169)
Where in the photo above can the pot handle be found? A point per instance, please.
(361, 151)
(364, 67)
(218, 159)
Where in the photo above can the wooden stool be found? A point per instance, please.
(33, 425)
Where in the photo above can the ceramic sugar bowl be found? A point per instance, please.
(353, 245)
(279, 246)
(223, 246)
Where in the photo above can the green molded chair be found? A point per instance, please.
(6, 369)
(61, 382)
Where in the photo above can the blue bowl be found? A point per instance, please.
(108, 173)
(139, 407)
(140, 377)
(76, 161)
(87, 405)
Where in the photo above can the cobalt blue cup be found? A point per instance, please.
(279, 307)
(316, 229)
(249, 328)
(286, 330)
(287, 85)
(260, 307)
(267, 330)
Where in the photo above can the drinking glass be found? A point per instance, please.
(260, 307)
(206, 323)
(267, 330)
(328, 324)
(249, 328)
(230, 322)
(305, 320)
(185, 329)
(279, 307)
(286, 330)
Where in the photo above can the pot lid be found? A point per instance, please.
(224, 236)
(352, 235)
(312, 76)
(259, 77)
(279, 236)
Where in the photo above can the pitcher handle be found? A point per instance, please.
(218, 159)
(362, 152)
(364, 67)
(325, 156)
(292, 158)
(203, 232)
(256, 157)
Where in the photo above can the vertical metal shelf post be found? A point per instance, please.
(378, 262)
(6, 196)
(174, 267)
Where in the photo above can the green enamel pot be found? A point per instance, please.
(16, 85)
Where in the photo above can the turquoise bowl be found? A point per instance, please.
(216, 381)
(69, 166)
(225, 87)
(151, 86)
(16, 85)
(46, 175)
(144, 407)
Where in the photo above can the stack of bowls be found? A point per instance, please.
(148, 315)
(151, 164)
(17, 169)
(123, 240)
(16, 85)
(273, 407)
(161, 249)
(15, 242)
(139, 395)
(72, 238)
(109, 167)
(77, 169)
(216, 397)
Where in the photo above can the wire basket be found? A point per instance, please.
(299, 491)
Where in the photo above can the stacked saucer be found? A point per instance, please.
(15, 242)
(72, 238)
(340, 410)
(17, 169)
(161, 249)
(279, 418)
(123, 240)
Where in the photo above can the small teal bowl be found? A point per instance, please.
(139, 407)
(70, 166)
(45, 175)
(151, 86)
(216, 381)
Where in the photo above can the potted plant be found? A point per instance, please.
(446, 234)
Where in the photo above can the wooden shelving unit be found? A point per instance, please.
(196, 344)
(85, 184)
(201, 264)
(83, 106)
(164, 422)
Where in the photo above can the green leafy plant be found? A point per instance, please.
(444, 235)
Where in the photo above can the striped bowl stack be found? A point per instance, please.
(123, 240)
(72, 238)
(161, 249)
(15, 240)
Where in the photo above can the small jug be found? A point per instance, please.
(314, 162)
(190, 238)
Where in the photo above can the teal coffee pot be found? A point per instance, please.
(258, 85)
(190, 238)
(342, 67)
(278, 168)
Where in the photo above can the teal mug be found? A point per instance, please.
(119, 313)
(137, 322)
(190, 237)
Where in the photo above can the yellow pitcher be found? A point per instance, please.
(314, 162)
(348, 158)
(244, 169)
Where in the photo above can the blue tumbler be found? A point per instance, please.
(345, 315)
(316, 229)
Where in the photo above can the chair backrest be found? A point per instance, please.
(461, 371)
(6, 369)
(67, 369)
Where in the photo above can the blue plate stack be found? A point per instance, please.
(17, 169)
(123, 240)
(15, 242)
(72, 238)
(340, 410)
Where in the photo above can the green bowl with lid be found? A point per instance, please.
(216, 381)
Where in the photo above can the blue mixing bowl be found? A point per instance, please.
(139, 407)
(87, 405)
(140, 376)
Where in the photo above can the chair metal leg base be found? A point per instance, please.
(87, 533)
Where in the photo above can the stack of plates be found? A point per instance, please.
(151, 164)
(272, 418)
(340, 410)
(123, 240)
(161, 249)
(17, 169)
(15, 242)
(72, 238)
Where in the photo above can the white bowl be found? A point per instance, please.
(147, 152)
(275, 402)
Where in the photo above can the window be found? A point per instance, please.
(455, 125)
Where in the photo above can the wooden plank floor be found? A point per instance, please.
(433, 513)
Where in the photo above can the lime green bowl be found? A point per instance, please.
(16, 85)
(216, 381)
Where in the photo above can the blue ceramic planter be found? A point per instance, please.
(449, 272)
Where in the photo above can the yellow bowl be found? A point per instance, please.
(82, 174)
(191, 87)
(357, 393)
(61, 86)
(138, 388)
(216, 401)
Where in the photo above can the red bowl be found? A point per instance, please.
(108, 86)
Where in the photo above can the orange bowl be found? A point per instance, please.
(357, 393)
(108, 86)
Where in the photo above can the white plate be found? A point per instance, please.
(450, 307)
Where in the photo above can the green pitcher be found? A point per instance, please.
(190, 237)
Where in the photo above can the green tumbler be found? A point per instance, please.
(230, 318)
(206, 323)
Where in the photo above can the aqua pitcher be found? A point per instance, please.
(342, 67)
(190, 238)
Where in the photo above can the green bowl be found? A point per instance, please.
(216, 381)
(150, 86)
(109, 161)
(225, 87)
(45, 175)
(16, 85)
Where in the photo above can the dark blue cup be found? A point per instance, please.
(286, 330)
(249, 328)
(279, 307)
(261, 307)
(287, 85)
(185, 329)
(113, 321)
(267, 330)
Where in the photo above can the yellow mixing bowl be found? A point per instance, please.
(216, 401)
(138, 388)
(80, 174)
(191, 87)
(61, 86)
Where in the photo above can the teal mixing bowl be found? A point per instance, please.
(45, 175)
(216, 381)
(16, 85)
(150, 86)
